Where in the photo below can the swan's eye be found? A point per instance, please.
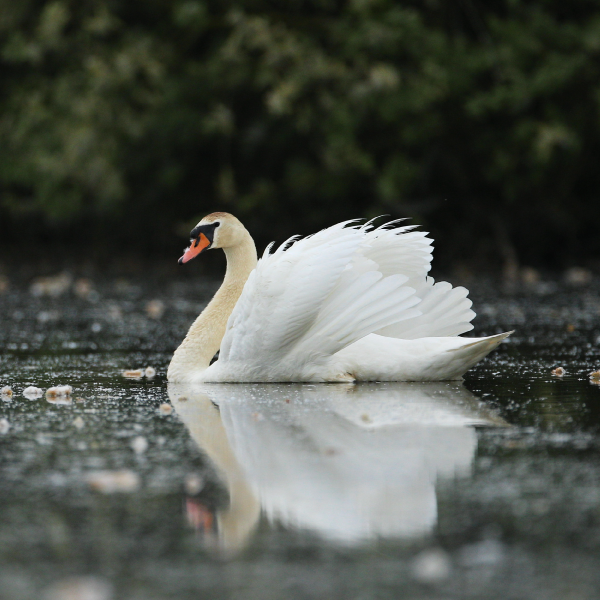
(207, 230)
(216, 224)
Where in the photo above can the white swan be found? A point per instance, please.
(350, 303)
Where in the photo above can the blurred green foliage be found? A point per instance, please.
(131, 119)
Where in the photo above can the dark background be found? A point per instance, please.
(123, 122)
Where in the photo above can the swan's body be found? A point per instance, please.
(348, 303)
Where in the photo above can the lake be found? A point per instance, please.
(133, 489)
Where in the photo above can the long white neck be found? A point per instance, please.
(206, 333)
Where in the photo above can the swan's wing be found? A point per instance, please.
(445, 311)
(284, 293)
(314, 298)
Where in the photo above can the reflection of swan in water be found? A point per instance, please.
(347, 462)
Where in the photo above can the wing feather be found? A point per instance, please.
(312, 297)
(445, 311)
(283, 295)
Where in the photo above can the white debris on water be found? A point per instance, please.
(59, 390)
(79, 588)
(431, 566)
(155, 309)
(139, 444)
(193, 483)
(133, 373)
(6, 392)
(54, 286)
(110, 482)
(148, 372)
(59, 394)
(578, 276)
(558, 372)
(165, 409)
(79, 423)
(47, 316)
(83, 288)
(530, 276)
(33, 393)
(4, 426)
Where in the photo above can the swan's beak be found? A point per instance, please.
(196, 247)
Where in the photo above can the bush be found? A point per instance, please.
(133, 119)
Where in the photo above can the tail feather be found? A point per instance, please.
(489, 343)
(469, 355)
(379, 358)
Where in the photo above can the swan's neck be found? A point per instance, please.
(204, 337)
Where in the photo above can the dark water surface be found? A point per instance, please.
(487, 489)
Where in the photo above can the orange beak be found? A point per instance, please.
(196, 247)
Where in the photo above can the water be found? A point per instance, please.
(487, 489)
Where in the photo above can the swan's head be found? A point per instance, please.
(217, 230)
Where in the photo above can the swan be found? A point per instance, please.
(352, 302)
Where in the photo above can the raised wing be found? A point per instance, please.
(313, 298)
